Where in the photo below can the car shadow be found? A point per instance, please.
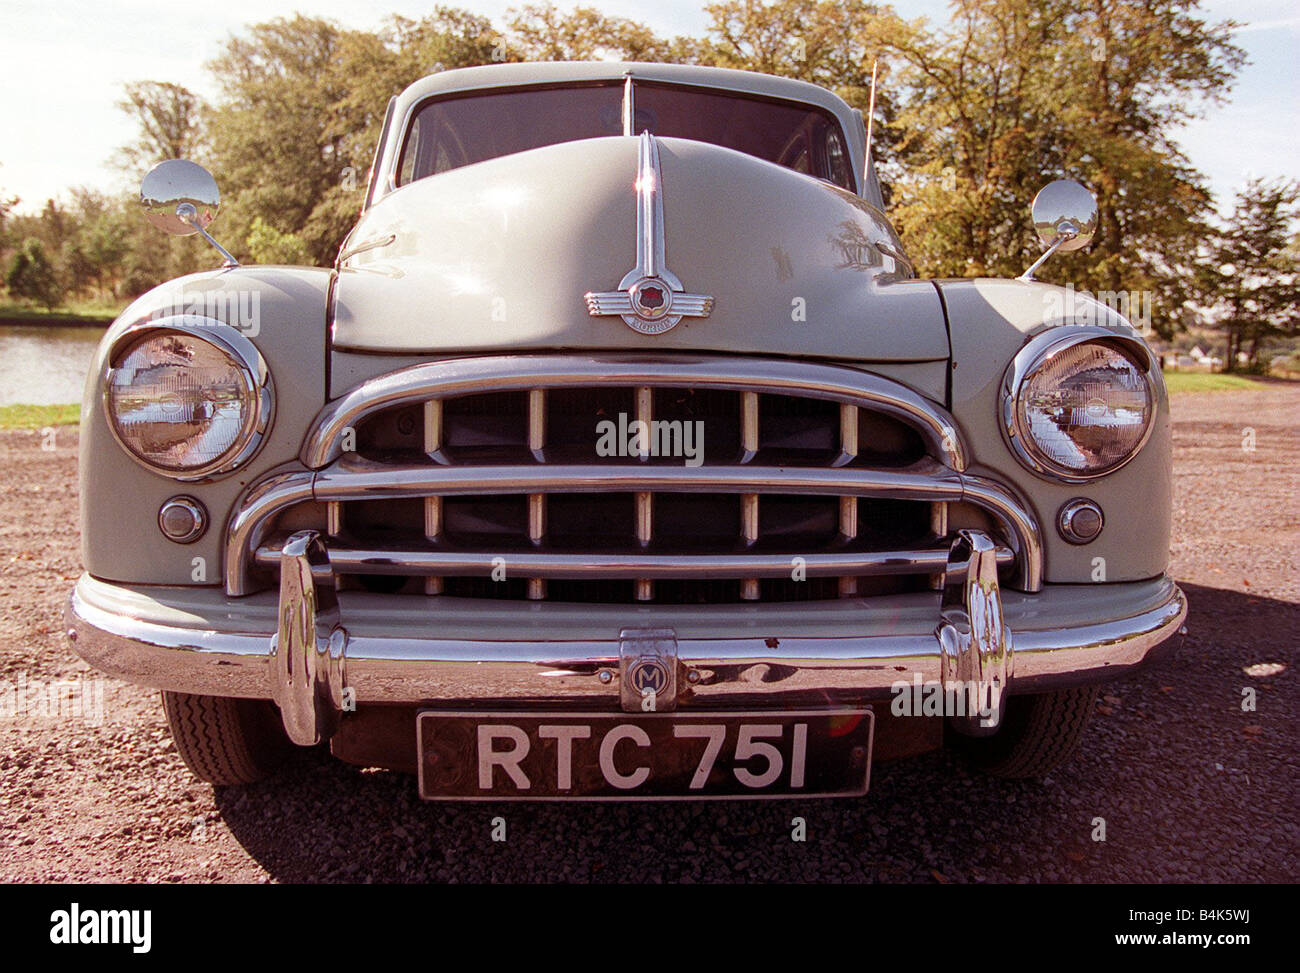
(1186, 783)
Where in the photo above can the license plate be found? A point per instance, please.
(646, 757)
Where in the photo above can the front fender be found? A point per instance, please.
(990, 321)
(282, 310)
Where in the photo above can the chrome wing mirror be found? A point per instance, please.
(1065, 218)
(181, 198)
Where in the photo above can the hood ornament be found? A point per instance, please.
(650, 299)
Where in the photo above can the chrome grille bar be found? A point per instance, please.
(472, 376)
(939, 528)
(375, 560)
(353, 478)
(848, 584)
(802, 465)
(645, 588)
(433, 504)
(537, 501)
(749, 587)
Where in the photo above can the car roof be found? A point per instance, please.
(526, 73)
(557, 72)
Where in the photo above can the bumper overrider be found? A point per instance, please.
(319, 659)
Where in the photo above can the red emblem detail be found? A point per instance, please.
(651, 297)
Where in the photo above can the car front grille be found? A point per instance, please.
(525, 478)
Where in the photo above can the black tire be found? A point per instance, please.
(1038, 733)
(226, 741)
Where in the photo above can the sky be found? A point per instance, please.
(63, 64)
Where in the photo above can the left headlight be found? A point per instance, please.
(1079, 403)
(187, 399)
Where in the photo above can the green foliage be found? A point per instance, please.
(31, 276)
(1253, 273)
(972, 117)
(1017, 92)
(38, 416)
(269, 246)
(1181, 383)
(167, 116)
(541, 32)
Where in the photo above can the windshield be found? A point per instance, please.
(449, 133)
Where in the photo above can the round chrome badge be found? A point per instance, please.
(648, 676)
(651, 298)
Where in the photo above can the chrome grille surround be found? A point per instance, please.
(333, 477)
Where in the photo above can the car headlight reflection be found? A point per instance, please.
(1079, 406)
(188, 401)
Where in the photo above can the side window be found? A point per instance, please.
(837, 159)
(406, 172)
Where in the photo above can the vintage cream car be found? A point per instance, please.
(621, 454)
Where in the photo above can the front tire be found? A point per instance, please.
(1038, 733)
(224, 740)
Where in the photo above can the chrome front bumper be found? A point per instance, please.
(317, 654)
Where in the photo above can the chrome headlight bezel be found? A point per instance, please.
(1038, 351)
(254, 375)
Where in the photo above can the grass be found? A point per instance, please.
(1179, 382)
(38, 416)
(98, 315)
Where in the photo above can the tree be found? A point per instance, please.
(168, 117)
(31, 275)
(303, 102)
(1253, 269)
(269, 246)
(541, 32)
(1019, 91)
(7, 204)
(828, 43)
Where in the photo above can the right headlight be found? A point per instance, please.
(1079, 402)
(187, 398)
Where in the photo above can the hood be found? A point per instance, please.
(501, 255)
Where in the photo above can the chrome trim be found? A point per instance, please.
(651, 271)
(647, 670)
(507, 373)
(251, 519)
(1071, 509)
(749, 431)
(645, 501)
(536, 501)
(748, 426)
(249, 361)
(1034, 353)
(974, 638)
(432, 505)
(629, 107)
(1018, 523)
(352, 479)
(374, 244)
(889, 250)
(347, 559)
(848, 585)
(225, 653)
(750, 590)
(307, 650)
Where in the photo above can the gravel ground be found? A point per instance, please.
(1191, 788)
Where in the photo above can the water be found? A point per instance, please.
(45, 366)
